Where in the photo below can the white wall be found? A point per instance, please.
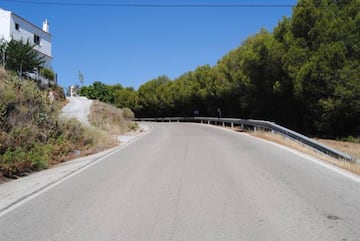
(5, 24)
(25, 32)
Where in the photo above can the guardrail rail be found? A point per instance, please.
(258, 124)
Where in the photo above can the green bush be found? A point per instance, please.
(47, 73)
(39, 156)
(20, 160)
(14, 161)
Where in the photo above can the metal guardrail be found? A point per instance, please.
(258, 124)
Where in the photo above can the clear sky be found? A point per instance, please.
(132, 45)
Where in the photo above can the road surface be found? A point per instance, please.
(194, 182)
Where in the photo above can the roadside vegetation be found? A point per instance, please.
(20, 57)
(112, 120)
(32, 137)
(31, 134)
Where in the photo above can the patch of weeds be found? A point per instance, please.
(351, 139)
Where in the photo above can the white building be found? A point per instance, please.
(14, 27)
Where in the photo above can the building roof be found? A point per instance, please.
(23, 19)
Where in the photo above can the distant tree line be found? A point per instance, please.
(304, 75)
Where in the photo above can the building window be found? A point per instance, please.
(17, 26)
(36, 39)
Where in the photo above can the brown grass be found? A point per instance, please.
(107, 122)
(101, 139)
(349, 166)
(352, 148)
(3, 74)
(110, 119)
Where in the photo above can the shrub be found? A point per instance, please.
(3, 74)
(31, 135)
(14, 161)
(39, 156)
(133, 126)
(128, 114)
(47, 73)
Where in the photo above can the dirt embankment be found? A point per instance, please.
(352, 148)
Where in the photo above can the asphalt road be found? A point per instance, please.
(194, 182)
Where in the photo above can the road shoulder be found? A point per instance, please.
(16, 192)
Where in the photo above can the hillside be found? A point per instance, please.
(33, 137)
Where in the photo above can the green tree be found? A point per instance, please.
(125, 97)
(21, 57)
(321, 59)
(149, 94)
(97, 90)
(47, 73)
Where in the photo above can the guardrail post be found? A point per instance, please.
(223, 124)
(232, 124)
(208, 122)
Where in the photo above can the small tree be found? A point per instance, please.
(22, 57)
(47, 73)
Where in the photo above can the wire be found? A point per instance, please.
(155, 5)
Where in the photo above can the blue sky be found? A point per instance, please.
(132, 45)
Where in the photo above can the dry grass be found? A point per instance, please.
(101, 139)
(107, 122)
(349, 166)
(110, 119)
(3, 74)
(352, 148)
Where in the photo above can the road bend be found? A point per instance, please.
(194, 182)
